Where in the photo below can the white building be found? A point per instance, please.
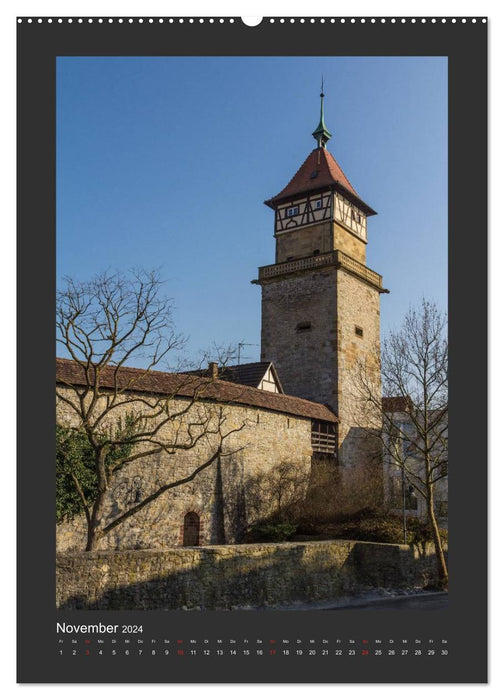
(404, 475)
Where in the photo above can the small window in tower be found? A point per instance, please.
(314, 175)
(356, 216)
(317, 204)
(316, 251)
(292, 211)
(303, 326)
(359, 331)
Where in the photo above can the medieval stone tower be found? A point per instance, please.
(320, 302)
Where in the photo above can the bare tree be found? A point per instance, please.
(414, 436)
(279, 492)
(104, 325)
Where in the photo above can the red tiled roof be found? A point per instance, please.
(329, 174)
(170, 384)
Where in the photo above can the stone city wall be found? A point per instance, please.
(226, 495)
(229, 576)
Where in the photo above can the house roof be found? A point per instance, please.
(70, 373)
(320, 170)
(249, 374)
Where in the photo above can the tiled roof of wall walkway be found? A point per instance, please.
(133, 379)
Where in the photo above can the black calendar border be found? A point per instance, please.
(465, 45)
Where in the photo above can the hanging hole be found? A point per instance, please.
(251, 21)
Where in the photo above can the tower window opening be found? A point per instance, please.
(316, 251)
(292, 211)
(303, 326)
(318, 204)
(356, 216)
(359, 331)
(314, 174)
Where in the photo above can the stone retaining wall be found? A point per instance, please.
(228, 576)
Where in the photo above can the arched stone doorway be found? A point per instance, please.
(191, 536)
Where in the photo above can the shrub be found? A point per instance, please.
(270, 532)
(372, 529)
(420, 534)
(371, 526)
(74, 456)
(75, 460)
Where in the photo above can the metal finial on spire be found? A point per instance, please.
(322, 133)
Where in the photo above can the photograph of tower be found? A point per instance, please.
(319, 300)
(214, 451)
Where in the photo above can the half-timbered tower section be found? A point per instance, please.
(320, 302)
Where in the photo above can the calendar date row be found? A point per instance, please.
(252, 652)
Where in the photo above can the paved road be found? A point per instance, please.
(429, 601)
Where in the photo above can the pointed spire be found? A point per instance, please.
(322, 133)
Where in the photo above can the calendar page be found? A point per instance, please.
(253, 260)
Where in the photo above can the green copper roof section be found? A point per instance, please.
(322, 133)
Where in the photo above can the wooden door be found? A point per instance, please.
(191, 530)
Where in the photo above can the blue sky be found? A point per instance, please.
(165, 163)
